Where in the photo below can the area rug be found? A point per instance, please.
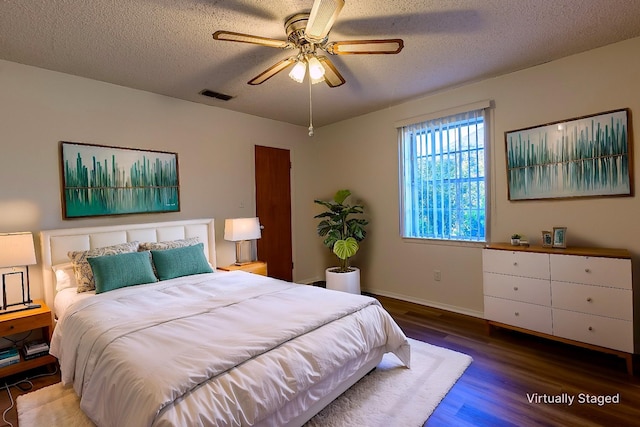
(389, 396)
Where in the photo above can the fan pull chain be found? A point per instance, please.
(310, 110)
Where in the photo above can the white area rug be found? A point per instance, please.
(389, 396)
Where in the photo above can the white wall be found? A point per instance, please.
(215, 147)
(39, 108)
(366, 152)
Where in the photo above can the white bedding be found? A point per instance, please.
(66, 297)
(214, 349)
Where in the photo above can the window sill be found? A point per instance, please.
(436, 242)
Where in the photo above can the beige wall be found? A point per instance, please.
(596, 81)
(215, 149)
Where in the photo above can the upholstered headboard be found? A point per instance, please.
(57, 243)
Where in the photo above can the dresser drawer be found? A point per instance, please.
(598, 300)
(525, 289)
(603, 331)
(614, 272)
(516, 263)
(521, 314)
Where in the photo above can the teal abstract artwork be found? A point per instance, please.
(102, 180)
(583, 157)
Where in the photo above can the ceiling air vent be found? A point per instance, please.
(212, 94)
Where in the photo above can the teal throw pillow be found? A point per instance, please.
(178, 262)
(118, 271)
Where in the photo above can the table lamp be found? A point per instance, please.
(241, 230)
(16, 251)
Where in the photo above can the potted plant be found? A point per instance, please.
(515, 239)
(343, 229)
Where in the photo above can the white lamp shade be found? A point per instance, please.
(298, 71)
(316, 70)
(16, 249)
(237, 229)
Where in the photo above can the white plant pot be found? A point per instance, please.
(345, 282)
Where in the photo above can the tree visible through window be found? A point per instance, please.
(443, 186)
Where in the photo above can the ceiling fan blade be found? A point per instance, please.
(365, 47)
(272, 71)
(248, 38)
(331, 75)
(323, 14)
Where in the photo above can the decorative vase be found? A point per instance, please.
(345, 282)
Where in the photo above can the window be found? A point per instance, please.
(443, 183)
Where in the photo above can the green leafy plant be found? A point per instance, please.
(342, 228)
(515, 236)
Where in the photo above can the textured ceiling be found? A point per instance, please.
(166, 47)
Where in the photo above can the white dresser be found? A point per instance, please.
(581, 296)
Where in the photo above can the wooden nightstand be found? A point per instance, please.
(23, 321)
(256, 267)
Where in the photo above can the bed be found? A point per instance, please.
(212, 348)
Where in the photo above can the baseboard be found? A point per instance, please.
(447, 307)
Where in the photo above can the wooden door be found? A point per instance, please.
(273, 207)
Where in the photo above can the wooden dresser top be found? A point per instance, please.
(570, 250)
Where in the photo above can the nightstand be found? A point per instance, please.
(23, 321)
(256, 267)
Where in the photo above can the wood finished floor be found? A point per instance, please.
(493, 390)
(507, 365)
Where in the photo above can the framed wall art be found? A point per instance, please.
(559, 237)
(588, 156)
(103, 180)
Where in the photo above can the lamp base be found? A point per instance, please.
(18, 307)
(243, 252)
(16, 298)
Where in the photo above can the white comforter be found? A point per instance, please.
(212, 349)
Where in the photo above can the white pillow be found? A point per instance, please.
(65, 277)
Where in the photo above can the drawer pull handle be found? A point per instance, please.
(586, 270)
(515, 288)
(590, 328)
(515, 264)
(517, 314)
(589, 299)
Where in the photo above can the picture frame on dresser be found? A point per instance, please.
(559, 237)
(547, 239)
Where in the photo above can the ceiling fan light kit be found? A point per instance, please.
(298, 71)
(309, 32)
(316, 70)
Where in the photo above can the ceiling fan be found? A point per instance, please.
(309, 33)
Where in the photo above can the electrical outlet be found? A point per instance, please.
(437, 275)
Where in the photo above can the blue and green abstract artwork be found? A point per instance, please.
(101, 180)
(584, 157)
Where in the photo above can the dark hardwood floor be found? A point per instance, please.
(509, 367)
